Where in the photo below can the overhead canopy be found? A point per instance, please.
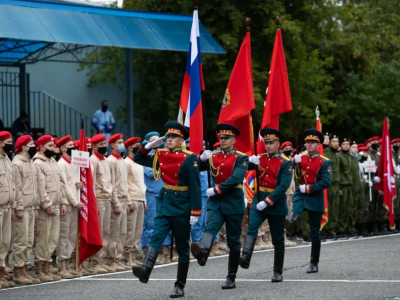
(27, 27)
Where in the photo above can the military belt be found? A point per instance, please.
(266, 190)
(176, 188)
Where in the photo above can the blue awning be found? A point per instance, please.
(31, 25)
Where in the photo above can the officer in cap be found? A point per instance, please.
(179, 201)
(275, 175)
(315, 175)
(226, 199)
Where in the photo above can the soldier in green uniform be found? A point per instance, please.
(331, 152)
(352, 204)
(315, 175)
(226, 203)
(275, 176)
(346, 181)
(179, 201)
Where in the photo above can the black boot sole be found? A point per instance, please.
(198, 254)
(311, 272)
(139, 273)
(274, 280)
(243, 264)
(230, 287)
(177, 296)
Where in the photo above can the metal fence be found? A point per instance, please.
(9, 97)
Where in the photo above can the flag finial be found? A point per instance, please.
(386, 113)
(194, 4)
(317, 111)
(83, 123)
(278, 24)
(247, 24)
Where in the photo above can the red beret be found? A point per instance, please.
(63, 141)
(360, 145)
(98, 138)
(44, 139)
(372, 139)
(22, 141)
(294, 150)
(77, 144)
(4, 135)
(87, 140)
(395, 141)
(131, 141)
(286, 144)
(217, 144)
(363, 148)
(115, 138)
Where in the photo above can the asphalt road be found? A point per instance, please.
(367, 268)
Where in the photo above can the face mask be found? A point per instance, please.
(375, 146)
(104, 108)
(353, 154)
(32, 151)
(396, 148)
(90, 151)
(102, 150)
(121, 148)
(49, 153)
(69, 151)
(134, 150)
(287, 153)
(7, 148)
(57, 156)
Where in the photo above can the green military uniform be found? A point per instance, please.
(226, 202)
(333, 194)
(353, 202)
(179, 199)
(315, 175)
(275, 176)
(363, 197)
(346, 182)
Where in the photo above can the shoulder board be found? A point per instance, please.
(285, 157)
(160, 150)
(304, 153)
(216, 151)
(241, 153)
(187, 151)
(264, 154)
(324, 157)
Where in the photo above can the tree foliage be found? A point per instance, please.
(341, 55)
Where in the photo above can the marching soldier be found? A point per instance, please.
(26, 204)
(345, 190)
(179, 201)
(121, 206)
(53, 194)
(276, 172)
(68, 222)
(226, 200)
(103, 188)
(136, 192)
(315, 176)
(7, 194)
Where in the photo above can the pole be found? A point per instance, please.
(129, 92)
(77, 235)
(370, 188)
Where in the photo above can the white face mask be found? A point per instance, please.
(121, 148)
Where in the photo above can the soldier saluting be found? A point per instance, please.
(314, 173)
(275, 173)
(179, 201)
(227, 203)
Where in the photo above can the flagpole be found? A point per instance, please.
(77, 234)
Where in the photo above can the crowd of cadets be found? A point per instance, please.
(39, 204)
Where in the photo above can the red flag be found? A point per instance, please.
(278, 100)
(90, 241)
(386, 174)
(324, 219)
(239, 99)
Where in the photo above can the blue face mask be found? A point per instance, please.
(353, 154)
(121, 148)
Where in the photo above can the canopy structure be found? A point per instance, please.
(32, 31)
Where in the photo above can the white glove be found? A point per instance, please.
(262, 205)
(245, 202)
(297, 158)
(254, 159)
(377, 179)
(370, 184)
(193, 220)
(210, 192)
(154, 144)
(205, 155)
(303, 188)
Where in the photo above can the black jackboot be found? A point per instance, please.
(315, 251)
(279, 256)
(178, 292)
(248, 248)
(143, 272)
(383, 228)
(201, 252)
(364, 229)
(233, 266)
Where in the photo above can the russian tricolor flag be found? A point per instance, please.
(193, 84)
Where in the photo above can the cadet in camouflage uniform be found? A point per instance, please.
(352, 204)
(363, 195)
